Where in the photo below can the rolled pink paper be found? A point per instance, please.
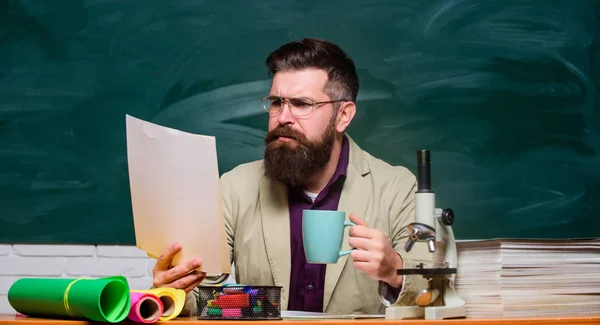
(145, 307)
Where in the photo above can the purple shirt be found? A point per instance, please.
(307, 281)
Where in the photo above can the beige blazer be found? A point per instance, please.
(258, 231)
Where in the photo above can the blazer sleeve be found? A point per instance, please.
(402, 213)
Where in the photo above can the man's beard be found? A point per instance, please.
(293, 163)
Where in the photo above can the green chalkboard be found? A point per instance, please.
(503, 92)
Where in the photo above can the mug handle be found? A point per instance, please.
(347, 224)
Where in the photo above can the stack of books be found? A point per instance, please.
(508, 278)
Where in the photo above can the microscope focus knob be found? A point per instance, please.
(447, 217)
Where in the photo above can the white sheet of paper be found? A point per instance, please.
(294, 314)
(175, 195)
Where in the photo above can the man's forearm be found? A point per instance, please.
(191, 306)
(394, 280)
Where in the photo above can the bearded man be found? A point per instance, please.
(311, 163)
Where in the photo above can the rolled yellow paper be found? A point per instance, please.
(173, 301)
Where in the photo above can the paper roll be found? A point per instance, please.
(103, 299)
(145, 307)
(172, 299)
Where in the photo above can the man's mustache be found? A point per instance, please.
(284, 131)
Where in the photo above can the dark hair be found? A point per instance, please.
(342, 80)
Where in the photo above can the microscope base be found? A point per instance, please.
(429, 313)
(444, 312)
(404, 312)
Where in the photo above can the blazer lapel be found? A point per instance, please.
(276, 231)
(356, 195)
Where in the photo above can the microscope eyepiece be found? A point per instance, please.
(423, 172)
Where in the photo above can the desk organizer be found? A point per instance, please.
(240, 302)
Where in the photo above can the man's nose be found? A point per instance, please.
(285, 116)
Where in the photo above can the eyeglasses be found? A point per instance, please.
(298, 106)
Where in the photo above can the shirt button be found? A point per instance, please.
(310, 287)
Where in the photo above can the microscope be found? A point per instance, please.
(439, 300)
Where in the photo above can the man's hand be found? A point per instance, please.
(183, 276)
(374, 253)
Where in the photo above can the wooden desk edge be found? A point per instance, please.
(6, 319)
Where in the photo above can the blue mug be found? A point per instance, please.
(322, 235)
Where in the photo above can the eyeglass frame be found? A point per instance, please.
(305, 100)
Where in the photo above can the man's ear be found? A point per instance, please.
(345, 115)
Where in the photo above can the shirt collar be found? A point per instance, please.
(342, 165)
